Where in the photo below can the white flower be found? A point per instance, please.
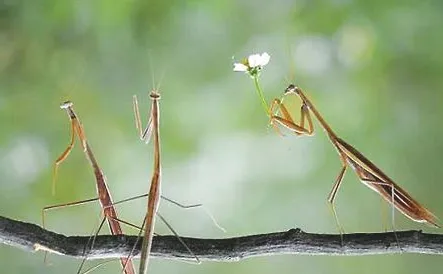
(253, 64)
(240, 67)
(258, 60)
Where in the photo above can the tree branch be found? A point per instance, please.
(32, 237)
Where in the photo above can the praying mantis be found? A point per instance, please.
(368, 173)
(104, 195)
(152, 128)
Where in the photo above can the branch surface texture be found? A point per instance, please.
(31, 237)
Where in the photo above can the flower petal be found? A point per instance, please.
(264, 59)
(240, 67)
(254, 60)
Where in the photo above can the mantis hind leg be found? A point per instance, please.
(392, 187)
(183, 206)
(45, 260)
(92, 241)
(332, 195)
(331, 200)
(197, 260)
(384, 215)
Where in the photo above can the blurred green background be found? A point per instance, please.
(373, 68)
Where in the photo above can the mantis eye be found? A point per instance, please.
(154, 95)
(66, 105)
(290, 88)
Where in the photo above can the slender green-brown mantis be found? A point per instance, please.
(368, 173)
(104, 195)
(152, 128)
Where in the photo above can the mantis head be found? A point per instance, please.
(292, 89)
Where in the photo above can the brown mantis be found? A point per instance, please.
(104, 195)
(152, 128)
(368, 173)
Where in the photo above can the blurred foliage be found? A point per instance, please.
(373, 68)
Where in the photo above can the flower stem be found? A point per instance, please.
(260, 94)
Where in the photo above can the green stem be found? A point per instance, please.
(260, 94)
